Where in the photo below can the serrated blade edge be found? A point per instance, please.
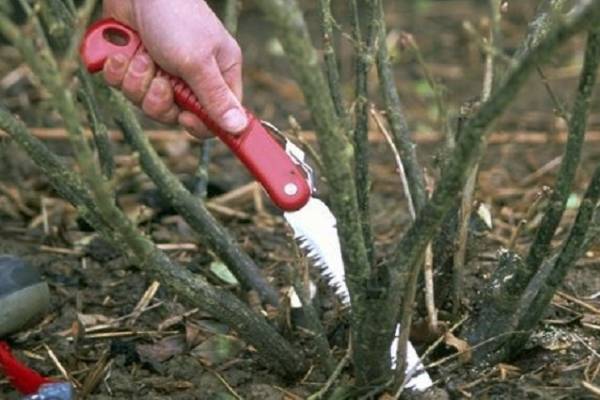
(315, 228)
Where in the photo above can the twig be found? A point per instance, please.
(543, 170)
(568, 167)
(333, 377)
(304, 138)
(230, 212)
(230, 389)
(363, 53)
(288, 395)
(395, 114)
(329, 55)
(558, 104)
(581, 303)
(439, 340)
(542, 195)
(429, 290)
(496, 36)
(409, 41)
(587, 346)
(595, 390)
(484, 44)
(403, 179)
(99, 130)
(406, 314)
(466, 205)
(61, 367)
(201, 175)
(96, 375)
(452, 356)
(143, 302)
(464, 216)
(177, 246)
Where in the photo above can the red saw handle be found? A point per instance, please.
(255, 147)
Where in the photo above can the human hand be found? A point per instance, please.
(186, 39)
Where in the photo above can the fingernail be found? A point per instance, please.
(117, 62)
(140, 64)
(234, 120)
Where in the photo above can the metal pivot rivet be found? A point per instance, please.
(290, 189)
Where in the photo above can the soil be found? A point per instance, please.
(112, 348)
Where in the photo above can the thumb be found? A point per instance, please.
(216, 97)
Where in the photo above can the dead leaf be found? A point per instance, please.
(460, 345)
(162, 350)
(193, 335)
(507, 370)
(16, 198)
(90, 320)
(421, 332)
(591, 319)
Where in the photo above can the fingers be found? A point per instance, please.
(138, 77)
(215, 95)
(135, 78)
(158, 102)
(115, 69)
(194, 125)
(216, 82)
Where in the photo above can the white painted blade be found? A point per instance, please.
(315, 227)
(416, 377)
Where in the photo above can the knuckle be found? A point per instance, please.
(131, 88)
(193, 63)
(136, 87)
(217, 99)
(170, 116)
(153, 108)
(111, 77)
(150, 110)
(236, 51)
(156, 101)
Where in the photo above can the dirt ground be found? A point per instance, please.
(118, 334)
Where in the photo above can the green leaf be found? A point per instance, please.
(223, 273)
(218, 349)
(423, 89)
(573, 202)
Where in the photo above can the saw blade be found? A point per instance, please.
(315, 228)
